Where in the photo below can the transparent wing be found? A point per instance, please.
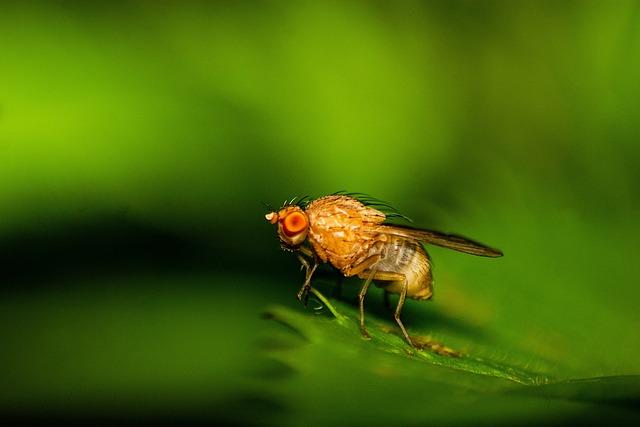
(450, 241)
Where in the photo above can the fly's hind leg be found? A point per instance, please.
(396, 315)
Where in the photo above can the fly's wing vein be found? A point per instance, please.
(451, 241)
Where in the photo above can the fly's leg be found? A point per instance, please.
(304, 263)
(303, 293)
(307, 251)
(364, 268)
(361, 295)
(396, 316)
(389, 276)
(359, 269)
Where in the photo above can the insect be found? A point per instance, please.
(350, 231)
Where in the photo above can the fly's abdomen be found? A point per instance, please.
(408, 258)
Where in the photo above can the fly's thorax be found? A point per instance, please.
(341, 229)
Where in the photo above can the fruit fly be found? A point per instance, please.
(350, 231)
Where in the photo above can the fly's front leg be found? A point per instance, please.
(303, 293)
(304, 263)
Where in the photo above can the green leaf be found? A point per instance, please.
(344, 331)
(334, 363)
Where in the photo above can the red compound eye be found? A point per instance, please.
(294, 223)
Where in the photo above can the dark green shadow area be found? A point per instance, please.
(133, 348)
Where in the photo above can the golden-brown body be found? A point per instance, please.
(354, 238)
(345, 233)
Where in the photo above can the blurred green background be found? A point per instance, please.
(138, 141)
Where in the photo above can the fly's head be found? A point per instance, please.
(293, 225)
